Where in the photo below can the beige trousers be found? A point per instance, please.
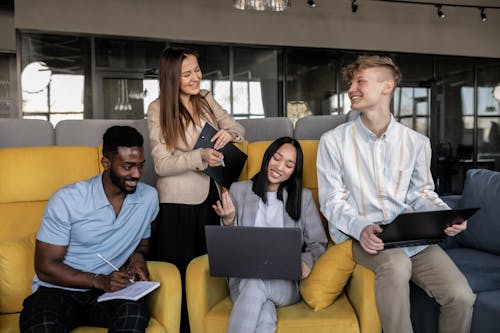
(433, 271)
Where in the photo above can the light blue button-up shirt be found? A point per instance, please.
(363, 179)
(81, 217)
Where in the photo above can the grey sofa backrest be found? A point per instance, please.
(25, 133)
(311, 128)
(482, 189)
(267, 128)
(88, 132)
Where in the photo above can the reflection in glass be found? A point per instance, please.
(55, 79)
(35, 77)
(310, 83)
(455, 100)
(123, 98)
(61, 99)
(255, 83)
(222, 93)
(151, 92)
(297, 110)
(411, 106)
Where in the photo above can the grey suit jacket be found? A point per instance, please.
(246, 204)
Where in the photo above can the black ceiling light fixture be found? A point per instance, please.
(439, 6)
(483, 14)
(354, 6)
(440, 12)
(311, 3)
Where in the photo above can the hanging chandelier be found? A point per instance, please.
(274, 5)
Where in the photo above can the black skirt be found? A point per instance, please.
(178, 235)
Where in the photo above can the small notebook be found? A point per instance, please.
(234, 159)
(133, 292)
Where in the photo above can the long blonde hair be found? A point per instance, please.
(174, 118)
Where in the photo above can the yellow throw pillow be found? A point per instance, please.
(17, 268)
(330, 274)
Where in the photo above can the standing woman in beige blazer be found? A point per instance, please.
(175, 120)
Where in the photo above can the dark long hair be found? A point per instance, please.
(173, 115)
(293, 185)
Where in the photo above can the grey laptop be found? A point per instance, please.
(421, 228)
(254, 252)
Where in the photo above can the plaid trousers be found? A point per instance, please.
(54, 310)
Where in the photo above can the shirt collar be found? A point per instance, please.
(367, 134)
(101, 200)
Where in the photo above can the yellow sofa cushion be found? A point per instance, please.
(17, 269)
(255, 154)
(330, 274)
(20, 219)
(296, 318)
(35, 173)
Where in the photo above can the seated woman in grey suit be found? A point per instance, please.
(273, 198)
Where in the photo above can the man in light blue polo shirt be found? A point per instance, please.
(108, 216)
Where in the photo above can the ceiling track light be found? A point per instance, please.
(483, 14)
(439, 6)
(311, 3)
(354, 6)
(440, 12)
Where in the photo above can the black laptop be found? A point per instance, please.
(254, 252)
(421, 228)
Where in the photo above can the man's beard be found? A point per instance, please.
(120, 183)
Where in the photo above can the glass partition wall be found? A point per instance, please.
(448, 99)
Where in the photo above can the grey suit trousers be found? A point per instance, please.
(433, 271)
(255, 302)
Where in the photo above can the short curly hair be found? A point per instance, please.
(120, 136)
(371, 61)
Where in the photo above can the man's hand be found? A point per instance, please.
(369, 241)
(455, 229)
(137, 269)
(112, 282)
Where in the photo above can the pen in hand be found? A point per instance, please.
(221, 160)
(112, 266)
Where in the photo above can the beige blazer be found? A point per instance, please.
(180, 169)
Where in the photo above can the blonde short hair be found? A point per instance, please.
(364, 62)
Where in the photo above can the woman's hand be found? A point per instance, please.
(211, 156)
(225, 209)
(221, 138)
(305, 270)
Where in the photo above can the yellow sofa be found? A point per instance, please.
(28, 177)
(209, 304)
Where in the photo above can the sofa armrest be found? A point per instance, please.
(165, 302)
(452, 200)
(361, 294)
(203, 292)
